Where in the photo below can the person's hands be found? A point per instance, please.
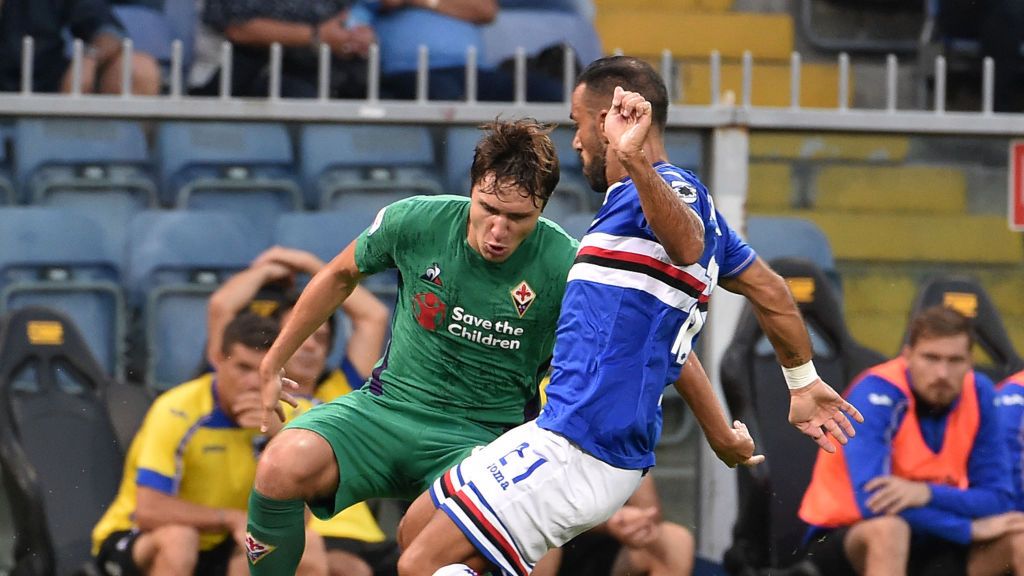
(292, 259)
(339, 38)
(633, 526)
(892, 495)
(235, 522)
(992, 527)
(362, 37)
(627, 123)
(272, 393)
(739, 449)
(818, 411)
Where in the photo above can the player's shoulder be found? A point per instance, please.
(684, 182)
(1010, 393)
(555, 237)
(425, 210)
(184, 404)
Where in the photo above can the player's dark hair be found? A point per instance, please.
(521, 152)
(249, 330)
(633, 74)
(939, 322)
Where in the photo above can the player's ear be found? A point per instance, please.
(601, 117)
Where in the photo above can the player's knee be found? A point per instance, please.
(413, 561)
(884, 531)
(176, 545)
(677, 537)
(294, 465)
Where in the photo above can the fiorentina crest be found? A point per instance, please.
(255, 549)
(523, 296)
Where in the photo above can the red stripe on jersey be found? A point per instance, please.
(496, 537)
(646, 261)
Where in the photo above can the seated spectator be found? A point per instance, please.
(998, 25)
(300, 26)
(634, 541)
(356, 546)
(46, 21)
(925, 485)
(181, 508)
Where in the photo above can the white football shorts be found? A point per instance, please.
(527, 492)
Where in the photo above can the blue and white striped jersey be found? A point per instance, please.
(629, 319)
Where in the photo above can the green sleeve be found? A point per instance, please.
(377, 245)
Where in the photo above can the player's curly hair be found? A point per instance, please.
(633, 74)
(518, 152)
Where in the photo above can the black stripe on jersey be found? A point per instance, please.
(641, 269)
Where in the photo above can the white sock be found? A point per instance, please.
(455, 570)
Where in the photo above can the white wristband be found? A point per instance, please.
(800, 376)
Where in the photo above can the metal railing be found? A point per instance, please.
(738, 110)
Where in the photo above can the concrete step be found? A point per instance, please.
(646, 32)
(933, 238)
(828, 146)
(770, 84)
(769, 187)
(890, 189)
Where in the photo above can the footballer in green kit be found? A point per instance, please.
(481, 281)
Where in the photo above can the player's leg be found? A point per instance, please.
(168, 550)
(879, 546)
(549, 564)
(1004, 555)
(441, 544)
(297, 466)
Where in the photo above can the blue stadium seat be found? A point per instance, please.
(367, 164)
(781, 236)
(175, 261)
(96, 167)
(243, 167)
(571, 195)
(7, 194)
(56, 258)
(536, 30)
(684, 149)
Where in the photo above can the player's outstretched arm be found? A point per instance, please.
(679, 229)
(733, 446)
(322, 296)
(815, 408)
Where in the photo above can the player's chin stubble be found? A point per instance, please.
(593, 171)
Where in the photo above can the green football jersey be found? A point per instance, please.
(469, 336)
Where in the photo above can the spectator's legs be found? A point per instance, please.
(879, 546)
(169, 550)
(671, 554)
(549, 564)
(1001, 556)
(145, 76)
(297, 466)
(1001, 33)
(341, 563)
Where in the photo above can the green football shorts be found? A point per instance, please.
(389, 449)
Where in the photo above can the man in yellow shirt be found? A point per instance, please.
(181, 508)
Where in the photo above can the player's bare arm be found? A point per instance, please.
(733, 446)
(627, 126)
(815, 408)
(322, 296)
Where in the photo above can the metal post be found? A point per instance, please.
(844, 81)
(275, 72)
(471, 82)
(666, 74)
(225, 70)
(78, 52)
(323, 72)
(988, 85)
(568, 74)
(748, 78)
(176, 69)
(127, 49)
(27, 63)
(422, 74)
(891, 76)
(520, 77)
(940, 85)
(794, 81)
(373, 74)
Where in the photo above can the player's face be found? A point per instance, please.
(937, 367)
(308, 362)
(238, 379)
(501, 216)
(589, 141)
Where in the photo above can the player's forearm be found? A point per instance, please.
(155, 509)
(695, 388)
(265, 31)
(227, 302)
(678, 228)
(776, 312)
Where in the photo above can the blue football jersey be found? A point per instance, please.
(629, 319)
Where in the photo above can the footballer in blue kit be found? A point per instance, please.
(636, 299)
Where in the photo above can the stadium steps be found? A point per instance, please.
(770, 85)
(769, 186)
(646, 32)
(960, 239)
(891, 189)
(828, 146)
